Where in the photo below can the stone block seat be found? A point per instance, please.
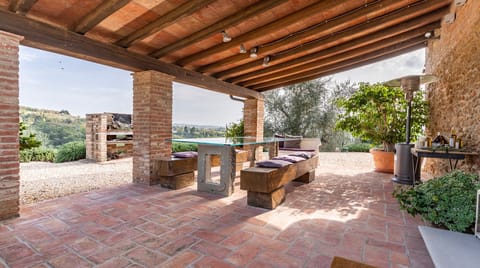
(265, 186)
(179, 172)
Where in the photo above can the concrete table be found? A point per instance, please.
(225, 148)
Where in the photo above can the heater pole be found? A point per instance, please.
(409, 115)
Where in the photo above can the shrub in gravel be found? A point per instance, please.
(38, 154)
(357, 147)
(71, 151)
(183, 147)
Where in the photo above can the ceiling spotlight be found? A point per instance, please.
(460, 2)
(226, 37)
(431, 35)
(449, 18)
(253, 52)
(243, 50)
(266, 61)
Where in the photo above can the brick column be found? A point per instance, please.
(253, 113)
(152, 122)
(9, 117)
(96, 136)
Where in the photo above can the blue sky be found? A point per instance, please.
(53, 81)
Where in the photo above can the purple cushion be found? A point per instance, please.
(273, 163)
(289, 158)
(187, 154)
(305, 155)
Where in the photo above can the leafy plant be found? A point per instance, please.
(448, 201)
(378, 114)
(38, 154)
(71, 151)
(183, 147)
(234, 129)
(27, 141)
(357, 147)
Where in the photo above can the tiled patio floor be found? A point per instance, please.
(347, 211)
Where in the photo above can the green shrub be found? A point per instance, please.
(71, 151)
(182, 147)
(38, 154)
(447, 201)
(357, 147)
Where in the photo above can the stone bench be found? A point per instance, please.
(266, 186)
(176, 173)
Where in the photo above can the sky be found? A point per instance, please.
(56, 82)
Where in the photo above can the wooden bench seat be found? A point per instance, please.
(266, 186)
(176, 173)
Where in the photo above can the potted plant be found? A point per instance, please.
(377, 113)
(447, 202)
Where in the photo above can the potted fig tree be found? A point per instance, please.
(377, 113)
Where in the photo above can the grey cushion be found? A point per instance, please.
(289, 158)
(305, 155)
(293, 143)
(187, 154)
(273, 163)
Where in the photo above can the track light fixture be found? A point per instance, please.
(253, 52)
(226, 37)
(431, 35)
(266, 61)
(243, 50)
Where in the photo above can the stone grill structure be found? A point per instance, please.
(455, 99)
(102, 137)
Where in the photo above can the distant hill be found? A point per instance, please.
(53, 128)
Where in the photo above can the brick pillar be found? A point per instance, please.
(253, 113)
(9, 117)
(152, 122)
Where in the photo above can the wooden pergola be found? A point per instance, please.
(295, 40)
(237, 47)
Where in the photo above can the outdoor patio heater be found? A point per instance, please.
(403, 171)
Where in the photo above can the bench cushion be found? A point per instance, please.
(289, 158)
(187, 154)
(274, 163)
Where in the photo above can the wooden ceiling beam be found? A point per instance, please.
(48, 37)
(314, 9)
(105, 9)
(365, 13)
(21, 6)
(360, 63)
(163, 21)
(345, 51)
(313, 72)
(433, 13)
(250, 11)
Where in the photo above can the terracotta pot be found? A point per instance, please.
(383, 161)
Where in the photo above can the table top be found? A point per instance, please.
(443, 151)
(236, 141)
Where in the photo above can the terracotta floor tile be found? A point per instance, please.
(212, 262)
(236, 239)
(210, 249)
(146, 257)
(69, 260)
(183, 259)
(15, 252)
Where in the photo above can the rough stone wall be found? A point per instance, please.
(152, 119)
(9, 124)
(455, 99)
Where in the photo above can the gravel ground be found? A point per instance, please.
(40, 180)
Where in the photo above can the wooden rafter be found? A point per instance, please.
(44, 36)
(105, 9)
(286, 21)
(251, 11)
(345, 63)
(349, 34)
(163, 21)
(364, 13)
(418, 23)
(21, 6)
(359, 63)
(349, 54)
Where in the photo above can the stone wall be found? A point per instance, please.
(455, 99)
(9, 116)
